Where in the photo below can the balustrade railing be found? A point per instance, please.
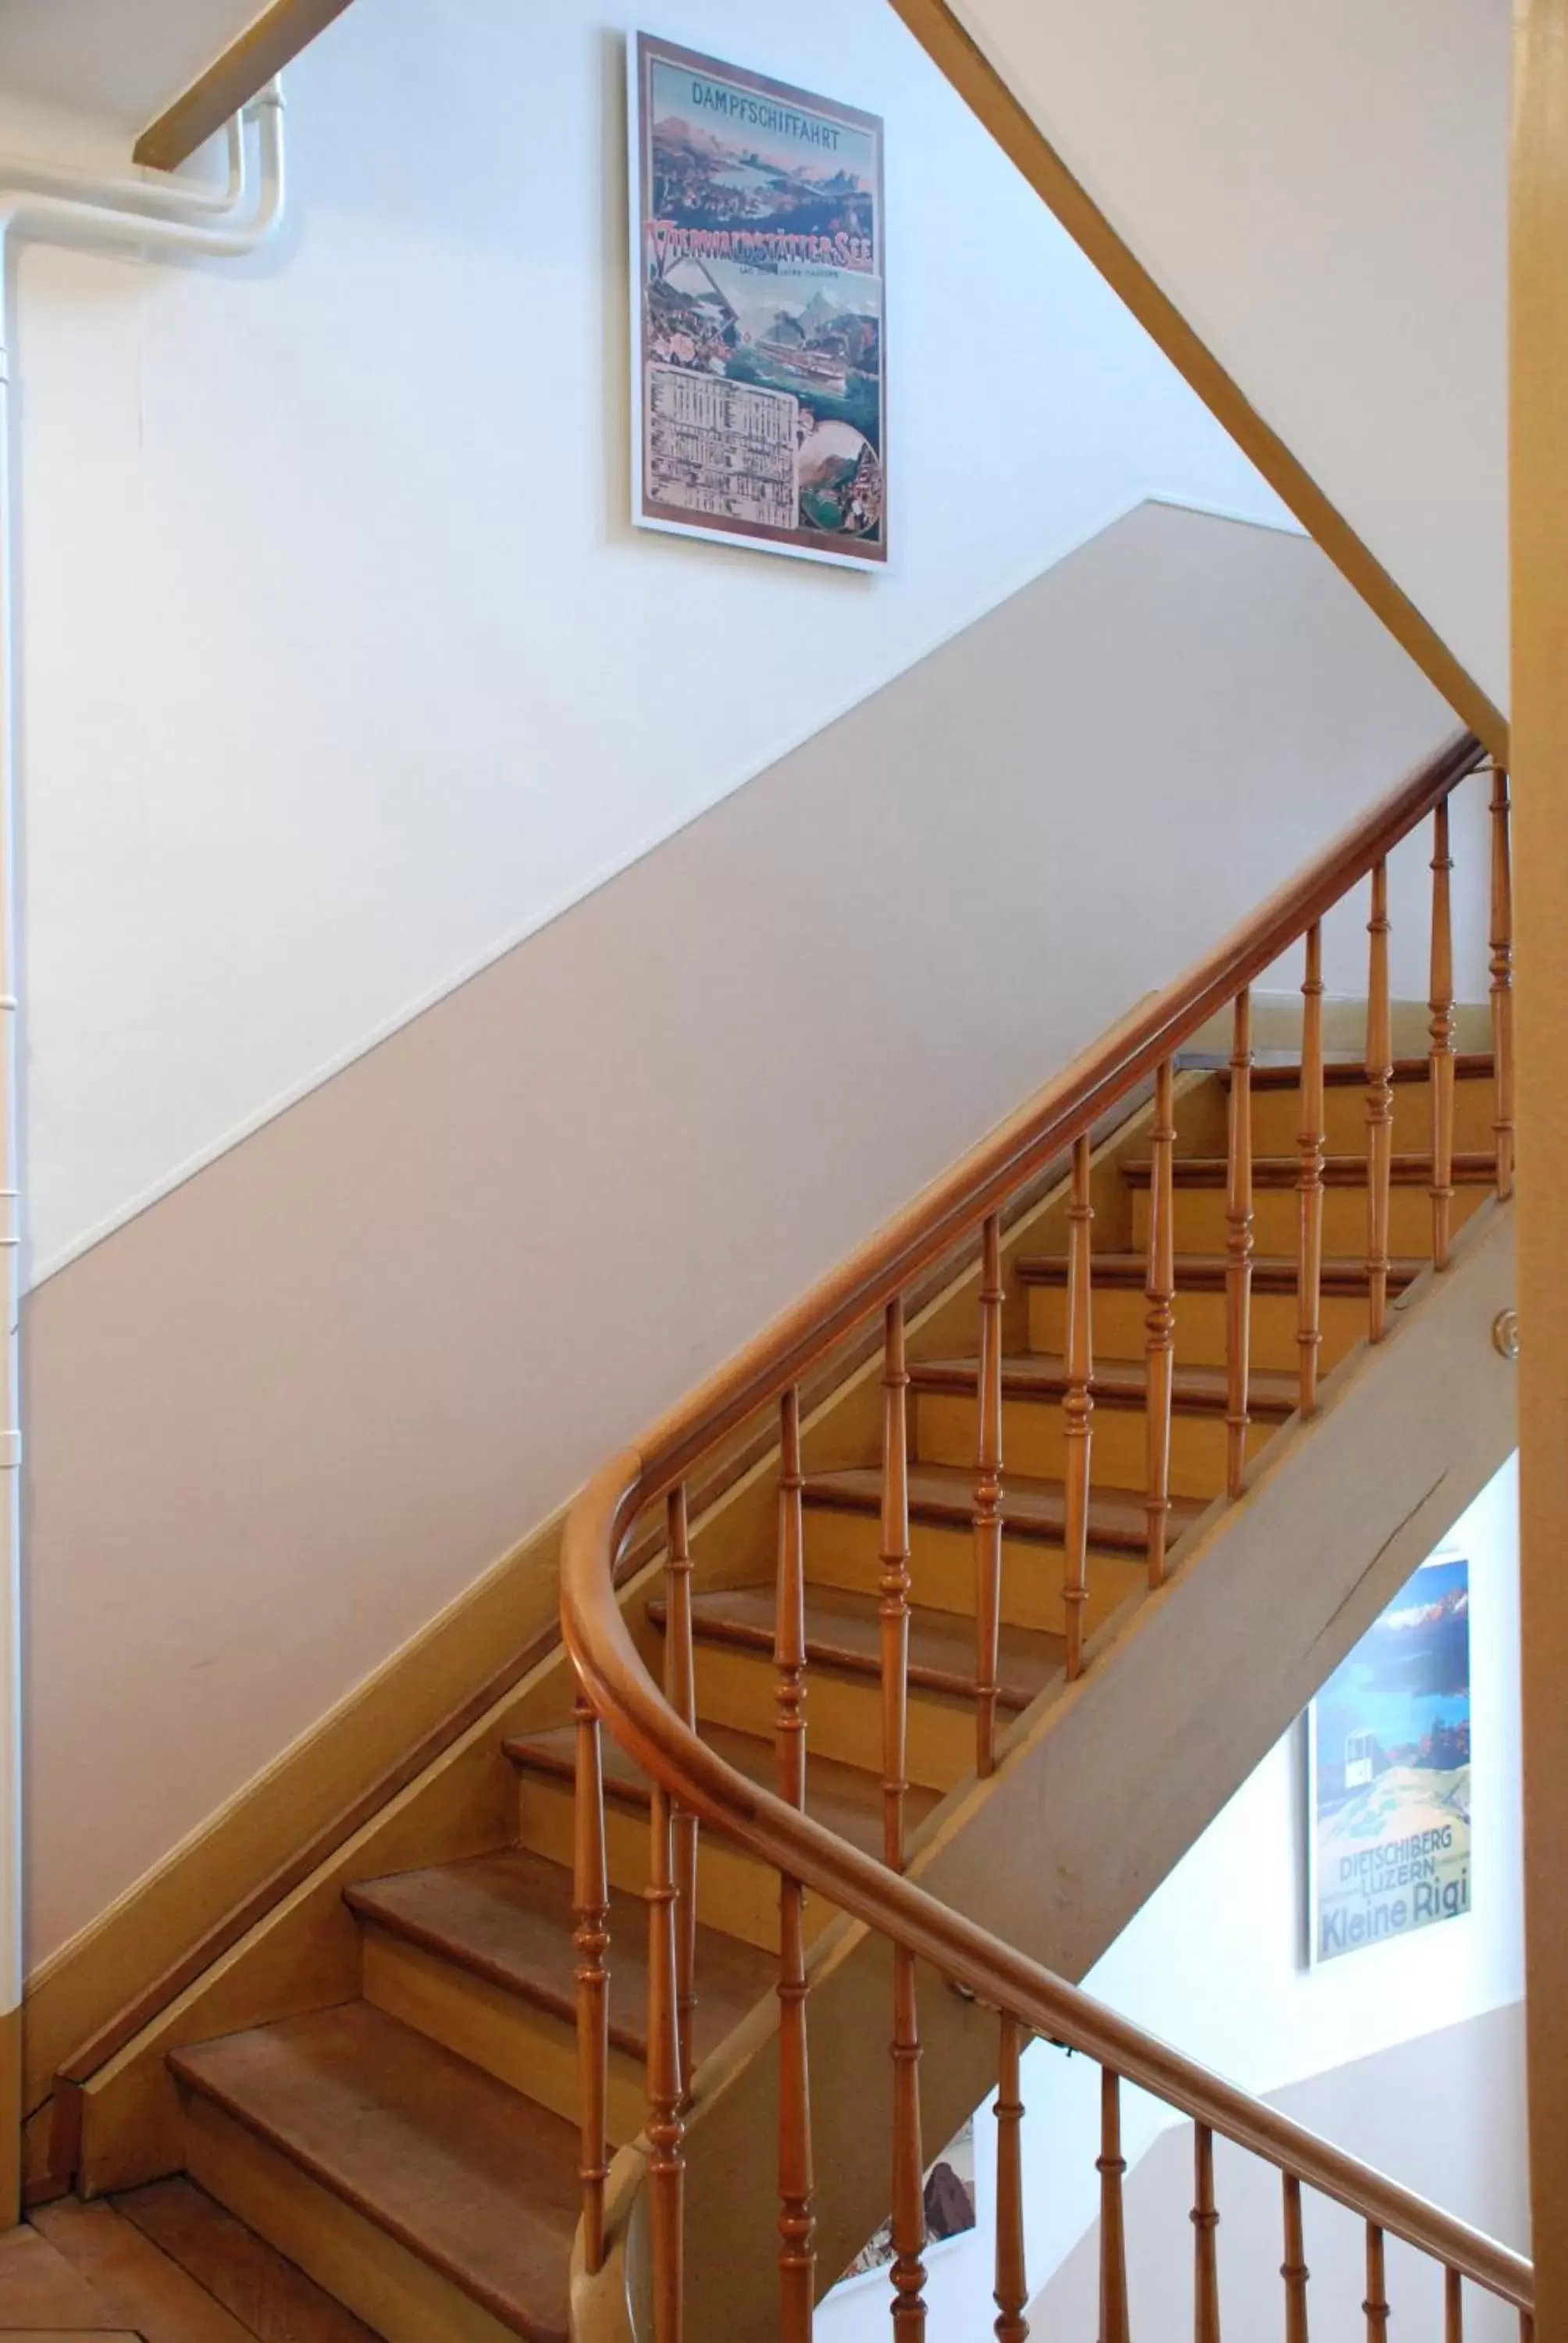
(694, 1788)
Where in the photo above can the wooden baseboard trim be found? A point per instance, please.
(965, 64)
(114, 2127)
(281, 1882)
(94, 1995)
(98, 1988)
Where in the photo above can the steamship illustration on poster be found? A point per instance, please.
(757, 326)
(1389, 1738)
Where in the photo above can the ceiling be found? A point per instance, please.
(122, 60)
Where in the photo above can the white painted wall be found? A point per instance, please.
(1447, 2112)
(1322, 192)
(343, 667)
(1215, 1963)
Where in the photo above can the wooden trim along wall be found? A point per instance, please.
(102, 2121)
(102, 1986)
(1539, 517)
(977, 81)
(94, 1995)
(232, 80)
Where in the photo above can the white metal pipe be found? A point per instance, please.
(159, 193)
(75, 215)
(68, 219)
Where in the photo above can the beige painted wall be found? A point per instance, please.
(289, 1411)
(1444, 2113)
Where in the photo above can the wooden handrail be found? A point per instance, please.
(620, 1689)
(956, 1204)
(691, 1779)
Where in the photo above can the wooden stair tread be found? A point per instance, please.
(843, 1630)
(1205, 1273)
(1473, 1170)
(1042, 1374)
(845, 1798)
(507, 1918)
(945, 1494)
(1351, 1073)
(472, 2179)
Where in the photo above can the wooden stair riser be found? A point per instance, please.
(843, 1549)
(733, 1893)
(533, 2050)
(1120, 1330)
(1035, 1442)
(1277, 1118)
(1201, 1226)
(735, 1686)
(370, 2272)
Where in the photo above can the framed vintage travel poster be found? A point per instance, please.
(759, 387)
(1389, 1772)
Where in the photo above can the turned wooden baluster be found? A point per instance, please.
(590, 1910)
(1376, 2303)
(1160, 1290)
(1205, 2221)
(797, 2220)
(1440, 1059)
(1312, 1138)
(1294, 2268)
(1452, 2307)
(1380, 1107)
(1078, 1408)
(680, 1691)
(1012, 2292)
(893, 1587)
(1112, 2165)
(1239, 1250)
(987, 1499)
(909, 2174)
(1501, 942)
(1526, 2327)
(666, 2126)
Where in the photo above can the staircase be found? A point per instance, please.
(892, 1563)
